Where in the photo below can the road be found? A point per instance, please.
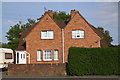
(6, 77)
(61, 78)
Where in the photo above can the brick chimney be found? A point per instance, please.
(50, 13)
(73, 12)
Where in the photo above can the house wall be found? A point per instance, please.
(34, 41)
(78, 23)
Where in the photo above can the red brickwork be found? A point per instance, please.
(77, 22)
(34, 41)
(37, 69)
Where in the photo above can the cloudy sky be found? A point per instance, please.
(103, 14)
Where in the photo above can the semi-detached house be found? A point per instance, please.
(48, 40)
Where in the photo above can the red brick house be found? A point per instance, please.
(48, 41)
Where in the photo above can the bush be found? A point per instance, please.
(93, 61)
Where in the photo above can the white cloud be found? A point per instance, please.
(108, 13)
(107, 17)
(10, 22)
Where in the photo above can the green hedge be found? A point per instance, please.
(93, 61)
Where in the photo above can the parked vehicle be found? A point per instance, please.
(6, 57)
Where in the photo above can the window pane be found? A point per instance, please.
(47, 55)
(77, 34)
(78, 31)
(55, 54)
(73, 34)
(43, 34)
(50, 34)
(23, 56)
(39, 55)
(82, 34)
(8, 55)
(47, 35)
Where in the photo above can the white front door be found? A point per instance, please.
(20, 57)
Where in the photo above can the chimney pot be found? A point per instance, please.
(50, 12)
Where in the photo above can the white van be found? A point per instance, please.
(6, 57)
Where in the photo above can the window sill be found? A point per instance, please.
(55, 59)
(47, 38)
(39, 60)
(78, 38)
(47, 60)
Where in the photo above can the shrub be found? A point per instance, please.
(93, 61)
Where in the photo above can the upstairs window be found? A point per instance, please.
(47, 35)
(78, 34)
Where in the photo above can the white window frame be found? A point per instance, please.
(44, 53)
(39, 55)
(78, 33)
(46, 34)
(56, 55)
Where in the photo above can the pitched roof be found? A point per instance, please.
(92, 27)
(22, 44)
(97, 31)
(103, 43)
(61, 24)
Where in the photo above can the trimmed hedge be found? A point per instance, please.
(93, 61)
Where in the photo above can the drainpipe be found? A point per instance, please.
(63, 44)
(28, 57)
(99, 44)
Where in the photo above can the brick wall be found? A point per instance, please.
(34, 41)
(37, 69)
(78, 23)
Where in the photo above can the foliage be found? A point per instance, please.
(61, 15)
(13, 44)
(0, 44)
(13, 34)
(4, 45)
(107, 36)
(93, 61)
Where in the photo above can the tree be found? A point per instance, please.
(61, 15)
(13, 34)
(107, 36)
(4, 45)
